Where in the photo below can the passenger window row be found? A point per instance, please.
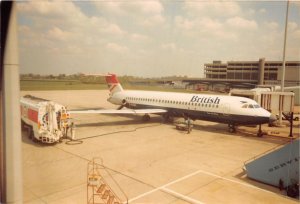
(173, 102)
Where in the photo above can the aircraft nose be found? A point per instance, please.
(272, 118)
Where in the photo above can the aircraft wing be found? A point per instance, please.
(122, 111)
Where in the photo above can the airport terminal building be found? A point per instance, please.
(254, 72)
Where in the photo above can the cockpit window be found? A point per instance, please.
(250, 106)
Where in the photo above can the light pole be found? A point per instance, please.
(283, 60)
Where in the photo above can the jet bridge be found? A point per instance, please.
(278, 168)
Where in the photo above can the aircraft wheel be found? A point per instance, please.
(231, 129)
(171, 119)
(168, 118)
(146, 117)
(260, 134)
(230, 125)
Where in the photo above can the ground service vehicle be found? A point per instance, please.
(47, 121)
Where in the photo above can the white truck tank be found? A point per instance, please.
(48, 121)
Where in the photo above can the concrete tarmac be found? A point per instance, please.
(151, 161)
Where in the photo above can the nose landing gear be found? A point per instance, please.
(231, 128)
(260, 132)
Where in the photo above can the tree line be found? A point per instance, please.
(98, 79)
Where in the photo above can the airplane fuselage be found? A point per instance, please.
(218, 108)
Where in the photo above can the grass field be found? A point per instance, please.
(40, 85)
(36, 85)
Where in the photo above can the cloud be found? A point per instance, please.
(57, 34)
(251, 12)
(160, 37)
(241, 23)
(212, 8)
(144, 7)
(271, 25)
(183, 23)
(55, 22)
(47, 8)
(116, 48)
(294, 32)
(101, 27)
(292, 26)
(296, 35)
(262, 10)
(130, 7)
(138, 37)
(58, 12)
(109, 6)
(144, 13)
(210, 24)
(219, 20)
(153, 21)
(66, 16)
(169, 46)
(207, 28)
(295, 4)
(60, 31)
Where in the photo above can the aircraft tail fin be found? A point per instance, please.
(113, 83)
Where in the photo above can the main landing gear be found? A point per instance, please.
(146, 117)
(168, 118)
(231, 128)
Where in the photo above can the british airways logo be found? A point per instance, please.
(203, 99)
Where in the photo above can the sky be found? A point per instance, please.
(151, 38)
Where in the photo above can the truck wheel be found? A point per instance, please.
(30, 133)
(31, 136)
(22, 125)
(34, 139)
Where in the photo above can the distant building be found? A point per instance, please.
(254, 72)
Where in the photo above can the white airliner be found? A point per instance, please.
(231, 110)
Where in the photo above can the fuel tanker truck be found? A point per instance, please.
(47, 121)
